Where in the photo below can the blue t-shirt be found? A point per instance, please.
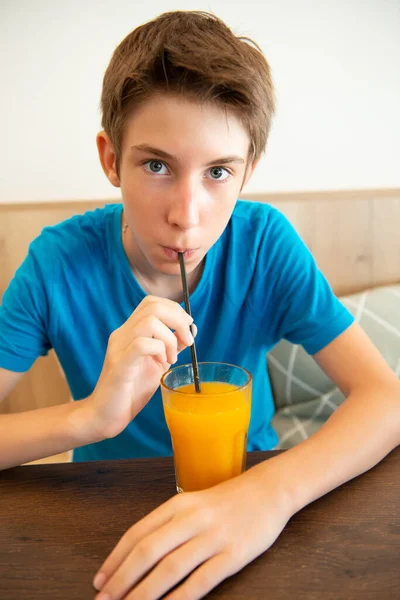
(259, 284)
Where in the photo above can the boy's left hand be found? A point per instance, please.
(212, 534)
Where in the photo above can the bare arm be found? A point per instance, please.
(138, 353)
(203, 537)
(8, 381)
(364, 429)
(34, 434)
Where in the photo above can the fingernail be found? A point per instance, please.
(99, 581)
(194, 330)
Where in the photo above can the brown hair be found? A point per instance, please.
(195, 54)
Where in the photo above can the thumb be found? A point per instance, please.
(193, 330)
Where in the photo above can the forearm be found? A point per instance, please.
(364, 429)
(43, 432)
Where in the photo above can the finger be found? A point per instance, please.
(150, 302)
(204, 579)
(173, 568)
(156, 519)
(182, 346)
(145, 346)
(152, 327)
(145, 555)
(172, 315)
(144, 304)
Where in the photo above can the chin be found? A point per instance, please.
(167, 268)
(171, 267)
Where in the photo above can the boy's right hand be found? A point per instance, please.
(138, 353)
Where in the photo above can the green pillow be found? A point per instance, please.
(304, 396)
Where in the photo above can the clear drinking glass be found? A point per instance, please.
(208, 429)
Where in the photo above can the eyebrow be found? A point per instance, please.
(162, 154)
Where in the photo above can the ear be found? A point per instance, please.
(249, 172)
(106, 152)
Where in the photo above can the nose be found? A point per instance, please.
(184, 205)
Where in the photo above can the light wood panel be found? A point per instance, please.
(353, 235)
(385, 239)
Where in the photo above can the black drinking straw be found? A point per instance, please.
(187, 306)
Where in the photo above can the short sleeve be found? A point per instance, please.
(307, 311)
(24, 311)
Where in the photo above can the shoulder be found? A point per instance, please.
(258, 217)
(256, 225)
(262, 243)
(252, 242)
(73, 245)
(248, 214)
(87, 227)
(77, 236)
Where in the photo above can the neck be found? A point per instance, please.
(152, 281)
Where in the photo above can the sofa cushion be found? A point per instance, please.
(304, 396)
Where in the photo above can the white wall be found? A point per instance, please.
(336, 66)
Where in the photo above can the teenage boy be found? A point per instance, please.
(187, 107)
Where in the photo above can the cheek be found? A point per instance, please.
(133, 196)
(222, 199)
(217, 213)
(139, 189)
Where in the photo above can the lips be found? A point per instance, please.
(172, 253)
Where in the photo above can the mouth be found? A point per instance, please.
(172, 253)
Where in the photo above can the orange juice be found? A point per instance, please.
(208, 431)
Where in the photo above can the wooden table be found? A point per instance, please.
(58, 522)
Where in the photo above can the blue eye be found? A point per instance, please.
(155, 166)
(219, 173)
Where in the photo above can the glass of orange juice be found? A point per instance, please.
(208, 429)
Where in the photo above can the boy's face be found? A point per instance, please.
(182, 167)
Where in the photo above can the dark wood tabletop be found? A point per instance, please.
(58, 522)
